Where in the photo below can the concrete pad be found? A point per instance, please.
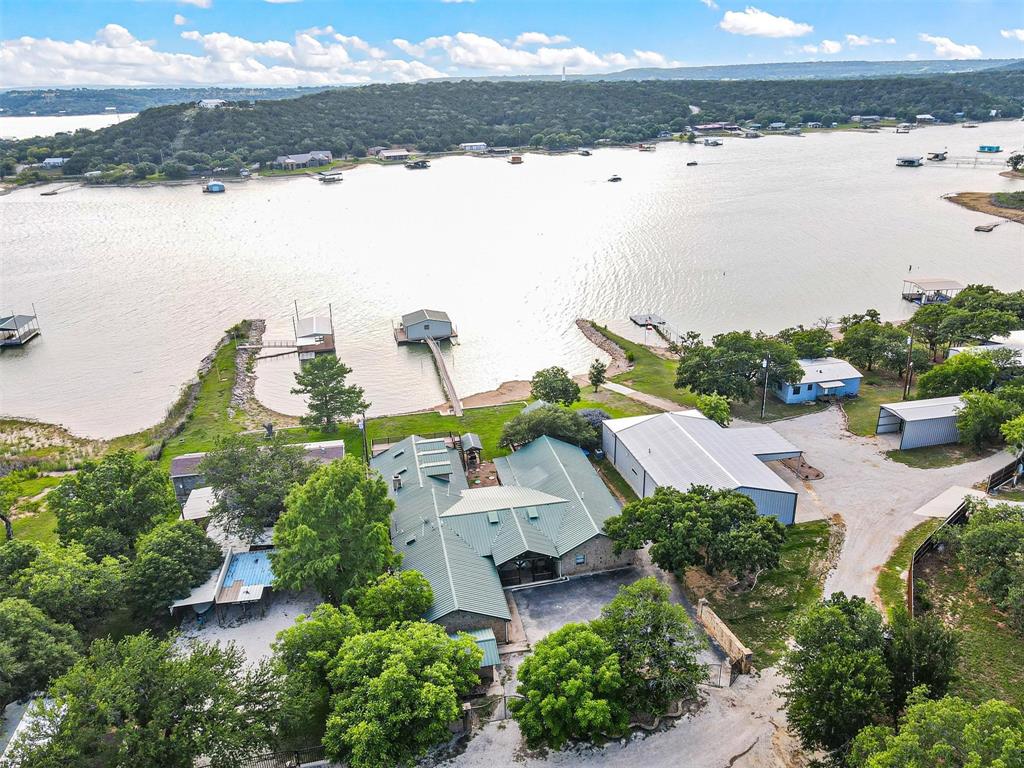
(946, 502)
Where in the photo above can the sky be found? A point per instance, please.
(322, 42)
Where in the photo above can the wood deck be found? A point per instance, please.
(446, 379)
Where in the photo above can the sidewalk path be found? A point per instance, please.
(641, 397)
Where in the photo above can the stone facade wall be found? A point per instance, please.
(599, 555)
(463, 621)
(738, 653)
(183, 486)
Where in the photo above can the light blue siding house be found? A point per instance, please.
(823, 377)
(685, 448)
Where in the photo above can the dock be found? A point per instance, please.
(930, 290)
(18, 330)
(659, 325)
(313, 336)
(446, 379)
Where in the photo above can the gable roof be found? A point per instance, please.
(685, 448)
(818, 370)
(421, 315)
(920, 410)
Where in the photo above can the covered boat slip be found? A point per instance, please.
(930, 290)
(921, 423)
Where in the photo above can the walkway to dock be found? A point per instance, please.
(642, 397)
(446, 379)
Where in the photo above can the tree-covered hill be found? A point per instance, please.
(438, 116)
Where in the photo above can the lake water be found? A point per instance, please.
(27, 126)
(134, 286)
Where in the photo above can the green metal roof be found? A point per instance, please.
(486, 642)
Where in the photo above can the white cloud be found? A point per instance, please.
(179, 20)
(1013, 34)
(860, 41)
(539, 38)
(116, 57)
(198, 3)
(411, 49)
(281, 2)
(831, 46)
(710, 4)
(755, 22)
(947, 49)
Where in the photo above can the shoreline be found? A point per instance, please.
(981, 202)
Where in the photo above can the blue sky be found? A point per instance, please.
(264, 42)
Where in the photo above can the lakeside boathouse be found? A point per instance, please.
(18, 330)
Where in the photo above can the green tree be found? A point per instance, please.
(811, 342)
(330, 399)
(981, 417)
(597, 375)
(142, 701)
(33, 648)
(107, 504)
(554, 385)
(142, 170)
(572, 689)
(70, 586)
(716, 408)
(732, 367)
(656, 643)
(926, 324)
(713, 529)
(333, 534)
(838, 680)
(864, 344)
(396, 691)
(302, 654)
(170, 560)
(950, 732)
(919, 651)
(16, 556)
(250, 480)
(173, 170)
(393, 598)
(957, 375)
(551, 420)
(1013, 433)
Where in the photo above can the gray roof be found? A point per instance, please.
(14, 322)
(685, 448)
(531, 407)
(305, 157)
(425, 314)
(471, 440)
(935, 283)
(920, 410)
(325, 451)
(830, 369)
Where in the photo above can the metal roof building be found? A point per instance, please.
(685, 448)
(921, 422)
(200, 502)
(823, 377)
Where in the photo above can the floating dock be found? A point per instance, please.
(18, 330)
(930, 290)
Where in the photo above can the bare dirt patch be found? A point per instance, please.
(982, 203)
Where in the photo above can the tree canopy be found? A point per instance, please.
(334, 533)
(716, 408)
(551, 420)
(108, 503)
(957, 375)
(330, 400)
(170, 560)
(33, 648)
(394, 598)
(732, 365)
(554, 385)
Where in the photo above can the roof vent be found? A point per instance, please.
(492, 516)
(410, 542)
(396, 482)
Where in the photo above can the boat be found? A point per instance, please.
(647, 147)
(909, 161)
(712, 143)
(515, 160)
(970, 125)
(692, 162)
(417, 165)
(903, 129)
(937, 157)
(990, 148)
(615, 177)
(584, 153)
(214, 186)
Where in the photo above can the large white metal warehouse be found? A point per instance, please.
(685, 448)
(921, 422)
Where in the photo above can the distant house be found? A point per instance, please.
(686, 448)
(210, 103)
(313, 159)
(924, 118)
(865, 118)
(814, 124)
(754, 126)
(776, 126)
(500, 150)
(54, 162)
(664, 134)
(374, 151)
(185, 475)
(473, 146)
(921, 422)
(427, 323)
(1013, 342)
(393, 155)
(823, 377)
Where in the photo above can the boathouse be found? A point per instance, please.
(921, 422)
(909, 161)
(425, 324)
(824, 377)
(18, 330)
(930, 290)
(685, 448)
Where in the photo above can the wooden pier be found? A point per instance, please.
(659, 325)
(446, 379)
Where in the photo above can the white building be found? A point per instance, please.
(473, 146)
(685, 448)
(211, 103)
(393, 155)
(1014, 342)
(925, 118)
(54, 162)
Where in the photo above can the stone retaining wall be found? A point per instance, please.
(739, 655)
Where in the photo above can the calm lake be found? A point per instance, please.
(27, 126)
(134, 286)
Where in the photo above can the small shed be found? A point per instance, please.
(823, 377)
(921, 422)
(472, 447)
(427, 324)
(393, 155)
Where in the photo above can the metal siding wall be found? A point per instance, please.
(625, 463)
(608, 443)
(887, 422)
(918, 434)
(777, 504)
(778, 456)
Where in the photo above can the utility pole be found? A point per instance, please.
(910, 365)
(764, 391)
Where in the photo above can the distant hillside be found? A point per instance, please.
(439, 116)
(793, 70)
(95, 101)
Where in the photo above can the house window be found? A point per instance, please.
(796, 390)
(426, 326)
(581, 559)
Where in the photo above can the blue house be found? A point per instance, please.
(823, 377)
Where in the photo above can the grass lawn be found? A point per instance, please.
(891, 583)
(616, 482)
(40, 527)
(762, 618)
(862, 411)
(651, 374)
(933, 456)
(993, 654)
(486, 422)
(774, 409)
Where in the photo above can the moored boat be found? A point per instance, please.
(214, 186)
(692, 162)
(615, 177)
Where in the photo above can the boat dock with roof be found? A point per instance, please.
(428, 326)
(18, 330)
(930, 290)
